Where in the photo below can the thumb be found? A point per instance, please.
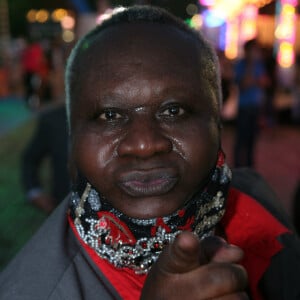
(182, 255)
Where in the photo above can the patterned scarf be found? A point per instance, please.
(137, 243)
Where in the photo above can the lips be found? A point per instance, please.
(147, 183)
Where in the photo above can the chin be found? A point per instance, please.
(150, 208)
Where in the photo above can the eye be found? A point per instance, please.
(173, 111)
(110, 115)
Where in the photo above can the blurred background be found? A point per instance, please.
(36, 38)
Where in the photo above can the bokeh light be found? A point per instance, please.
(68, 36)
(58, 14)
(42, 16)
(192, 9)
(31, 15)
(67, 22)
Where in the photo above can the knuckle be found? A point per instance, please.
(227, 278)
(237, 277)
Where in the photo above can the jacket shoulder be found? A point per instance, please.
(253, 184)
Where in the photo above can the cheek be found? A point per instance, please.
(91, 155)
(199, 147)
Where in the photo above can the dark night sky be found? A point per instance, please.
(18, 9)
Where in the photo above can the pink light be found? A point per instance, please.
(291, 2)
(207, 2)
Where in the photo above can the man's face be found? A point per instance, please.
(144, 129)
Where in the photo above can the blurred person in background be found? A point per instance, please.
(56, 56)
(49, 142)
(270, 88)
(35, 73)
(251, 79)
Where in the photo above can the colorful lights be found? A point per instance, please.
(196, 22)
(248, 22)
(286, 55)
(59, 15)
(238, 3)
(40, 16)
(232, 39)
(238, 19)
(285, 33)
(241, 24)
(43, 15)
(67, 22)
(213, 18)
(207, 2)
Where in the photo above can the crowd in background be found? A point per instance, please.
(33, 70)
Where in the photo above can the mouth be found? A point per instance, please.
(147, 183)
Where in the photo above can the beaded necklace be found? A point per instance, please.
(136, 243)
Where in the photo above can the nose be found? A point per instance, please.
(144, 138)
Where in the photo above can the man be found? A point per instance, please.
(148, 217)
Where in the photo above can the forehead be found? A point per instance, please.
(130, 56)
(147, 45)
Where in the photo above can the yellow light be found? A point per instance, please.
(232, 36)
(31, 15)
(231, 53)
(58, 14)
(285, 46)
(249, 29)
(288, 9)
(42, 16)
(286, 55)
(284, 31)
(249, 22)
(68, 36)
(197, 21)
(228, 8)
